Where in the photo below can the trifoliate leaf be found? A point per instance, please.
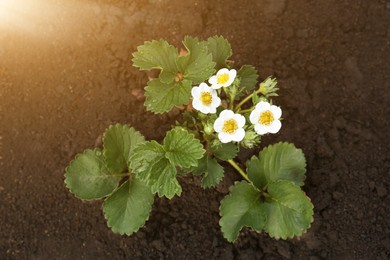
(283, 212)
(198, 64)
(157, 55)
(150, 165)
(182, 148)
(119, 142)
(248, 77)
(88, 177)
(162, 97)
(289, 211)
(220, 49)
(128, 208)
(282, 161)
(242, 207)
(224, 151)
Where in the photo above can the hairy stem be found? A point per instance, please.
(235, 166)
(246, 100)
(232, 96)
(245, 111)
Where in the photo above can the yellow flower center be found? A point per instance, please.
(266, 118)
(223, 78)
(206, 98)
(229, 126)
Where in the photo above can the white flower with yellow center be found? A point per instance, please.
(229, 126)
(205, 99)
(266, 117)
(223, 78)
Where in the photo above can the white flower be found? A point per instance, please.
(223, 78)
(205, 99)
(266, 117)
(229, 126)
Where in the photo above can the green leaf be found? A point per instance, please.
(182, 148)
(284, 212)
(157, 55)
(282, 161)
(119, 142)
(289, 211)
(88, 177)
(151, 166)
(226, 151)
(213, 174)
(144, 157)
(197, 65)
(128, 208)
(162, 97)
(163, 179)
(248, 77)
(220, 49)
(241, 207)
(212, 170)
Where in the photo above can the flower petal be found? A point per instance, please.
(240, 119)
(218, 124)
(195, 92)
(232, 76)
(238, 135)
(213, 80)
(216, 86)
(262, 105)
(225, 137)
(276, 112)
(197, 104)
(205, 109)
(254, 116)
(226, 114)
(212, 109)
(223, 71)
(274, 127)
(216, 101)
(204, 87)
(261, 129)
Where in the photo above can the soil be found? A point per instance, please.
(66, 75)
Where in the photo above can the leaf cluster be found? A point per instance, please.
(272, 201)
(179, 71)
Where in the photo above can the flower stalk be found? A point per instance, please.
(246, 100)
(238, 168)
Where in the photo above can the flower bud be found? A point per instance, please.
(208, 128)
(251, 139)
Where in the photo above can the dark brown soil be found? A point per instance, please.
(66, 74)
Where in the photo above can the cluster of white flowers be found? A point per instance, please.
(230, 126)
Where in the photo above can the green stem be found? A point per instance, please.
(235, 166)
(231, 105)
(246, 100)
(245, 111)
(232, 94)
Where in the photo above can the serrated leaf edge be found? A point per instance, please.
(123, 126)
(220, 207)
(189, 133)
(66, 171)
(125, 233)
(303, 230)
